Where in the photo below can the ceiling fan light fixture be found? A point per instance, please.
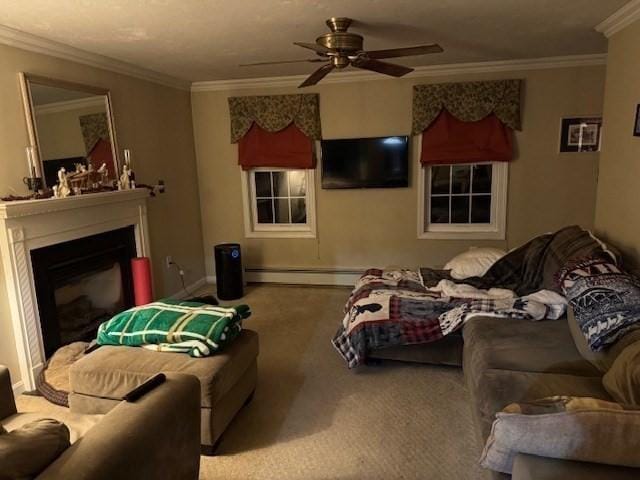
(340, 61)
(340, 48)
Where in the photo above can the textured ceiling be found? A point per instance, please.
(207, 39)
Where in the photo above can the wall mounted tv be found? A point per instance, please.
(380, 162)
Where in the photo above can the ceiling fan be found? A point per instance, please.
(340, 48)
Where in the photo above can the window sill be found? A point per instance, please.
(282, 234)
(461, 235)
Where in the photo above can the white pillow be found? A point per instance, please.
(474, 262)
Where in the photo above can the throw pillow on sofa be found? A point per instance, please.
(605, 300)
(28, 450)
(569, 428)
(474, 262)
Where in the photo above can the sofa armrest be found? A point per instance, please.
(531, 467)
(156, 437)
(7, 401)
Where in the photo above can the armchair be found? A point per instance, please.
(157, 436)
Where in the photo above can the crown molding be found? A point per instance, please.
(419, 72)
(34, 43)
(67, 105)
(621, 19)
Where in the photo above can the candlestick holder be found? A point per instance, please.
(34, 184)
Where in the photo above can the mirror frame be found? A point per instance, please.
(29, 110)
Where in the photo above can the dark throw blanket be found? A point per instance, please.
(533, 266)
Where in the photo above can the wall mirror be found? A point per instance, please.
(69, 124)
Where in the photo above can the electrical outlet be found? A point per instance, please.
(168, 261)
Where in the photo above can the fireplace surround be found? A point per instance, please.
(27, 227)
(81, 283)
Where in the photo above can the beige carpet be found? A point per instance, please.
(312, 418)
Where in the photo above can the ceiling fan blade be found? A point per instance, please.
(318, 75)
(311, 60)
(381, 67)
(315, 47)
(405, 52)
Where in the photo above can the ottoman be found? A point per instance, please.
(100, 379)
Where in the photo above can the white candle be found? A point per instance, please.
(29, 161)
(127, 157)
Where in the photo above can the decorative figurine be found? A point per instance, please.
(63, 190)
(125, 180)
(80, 179)
(104, 174)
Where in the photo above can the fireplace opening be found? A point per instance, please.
(82, 283)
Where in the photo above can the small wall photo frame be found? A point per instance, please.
(636, 126)
(580, 134)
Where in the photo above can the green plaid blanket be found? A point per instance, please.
(173, 326)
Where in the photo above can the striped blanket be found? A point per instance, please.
(173, 326)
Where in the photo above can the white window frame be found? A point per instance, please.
(495, 230)
(253, 229)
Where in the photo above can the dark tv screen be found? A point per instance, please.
(380, 162)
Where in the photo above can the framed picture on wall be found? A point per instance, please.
(580, 134)
(636, 126)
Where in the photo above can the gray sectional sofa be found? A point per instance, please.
(505, 361)
(155, 437)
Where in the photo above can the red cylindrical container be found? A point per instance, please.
(142, 289)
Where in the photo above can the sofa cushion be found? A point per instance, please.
(113, 371)
(622, 381)
(583, 429)
(532, 467)
(510, 344)
(26, 451)
(491, 390)
(446, 351)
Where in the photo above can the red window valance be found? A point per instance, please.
(287, 148)
(449, 140)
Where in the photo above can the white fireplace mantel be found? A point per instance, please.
(31, 224)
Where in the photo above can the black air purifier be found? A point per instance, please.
(228, 271)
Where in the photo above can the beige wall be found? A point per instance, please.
(60, 134)
(155, 123)
(360, 228)
(618, 200)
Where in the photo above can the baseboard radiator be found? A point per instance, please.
(303, 276)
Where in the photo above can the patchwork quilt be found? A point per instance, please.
(393, 307)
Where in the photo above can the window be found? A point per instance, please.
(279, 202)
(463, 201)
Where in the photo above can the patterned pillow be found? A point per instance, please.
(605, 300)
(570, 428)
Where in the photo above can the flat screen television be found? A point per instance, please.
(380, 162)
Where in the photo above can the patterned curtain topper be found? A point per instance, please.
(468, 102)
(274, 113)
